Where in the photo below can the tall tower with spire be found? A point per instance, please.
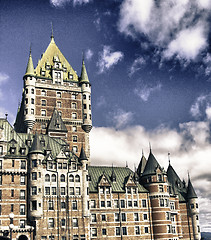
(55, 100)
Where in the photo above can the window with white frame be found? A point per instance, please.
(137, 230)
(43, 93)
(74, 128)
(94, 232)
(22, 209)
(136, 217)
(93, 218)
(73, 105)
(43, 112)
(92, 204)
(58, 94)
(75, 139)
(124, 230)
(74, 115)
(118, 232)
(50, 222)
(75, 222)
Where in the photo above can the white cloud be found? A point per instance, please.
(62, 3)
(145, 91)
(101, 101)
(89, 54)
(120, 118)
(137, 65)
(176, 27)
(3, 77)
(108, 58)
(189, 147)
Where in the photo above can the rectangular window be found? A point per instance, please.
(168, 228)
(59, 165)
(103, 217)
(33, 205)
(59, 104)
(75, 222)
(77, 191)
(172, 206)
(22, 194)
(33, 190)
(58, 94)
(92, 204)
(12, 193)
(94, 232)
(63, 205)
(75, 139)
(104, 231)
(0, 164)
(62, 190)
(53, 190)
(34, 175)
(63, 222)
(136, 217)
(129, 203)
(50, 205)
(146, 229)
(145, 216)
(161, 189)
(109, 204)
(137, 230)
(43, 113)
(102, 203)
(116, 217)
(12, 208)
(13, 163)
(0, 179)
(74, 205)
(71, 190)
(47, 190)
(22, 223)
(23, 164)
(74, 128)
(161, 202)
(50, 222)
(117, 231)
(124, 231)
(144, 203)
(1, 150)
(93, 218)
(84, 106)
(124, 217)
(116, 204)
(43, 102)
(22, 209)
(74, 115)
(12, 178)
(34, 163)
(122, 203)
(22, 180)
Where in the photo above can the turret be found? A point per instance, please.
(29, 95)
(85, 184)
(141, 165)
(193, 210)
(86, 99)
(36, 156)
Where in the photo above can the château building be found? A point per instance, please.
(50, 191)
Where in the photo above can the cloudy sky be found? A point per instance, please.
(149, 63)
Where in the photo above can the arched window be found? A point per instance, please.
(62, 178)
(47, 177)
(71, 178)
(77, 178)
(43, 93)
(32, 90)
(53, 178)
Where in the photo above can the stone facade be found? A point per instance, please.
(49, 191)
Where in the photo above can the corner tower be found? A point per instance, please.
(54, 84)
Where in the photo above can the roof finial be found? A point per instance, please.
(188, 176)
(6, 114)
(83, 56)
(169, 157)
(126, 164)
(30, 50)
(52, 30)
(142, 152)
(150, 148)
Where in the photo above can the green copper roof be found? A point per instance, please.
(84, 75)
(56, 123)
(30, 66)
(36, 145)
(191, 192)
(151, 165)
(121, 174)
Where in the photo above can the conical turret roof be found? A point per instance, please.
(82, 154)
(30, 66)
(151, 165)
(191, 192)
(173, 178)
(36, 145)
(141, 165)
(84, 75)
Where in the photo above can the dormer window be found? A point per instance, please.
(65, 69)
(75, 149)
(43, 73)
(22, 151)
(47, 66)
(70, 76)
(57, 65)
(12, 150)
(55, 59)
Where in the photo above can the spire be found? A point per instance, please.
(84, 76)
(190, 192)
(30, 66)
(36, 145)
(141, 165)
(82, 154)
(56, 123)
(52, 36)
(113, 175)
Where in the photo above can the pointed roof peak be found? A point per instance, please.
(56, 123)
(82, 154)
(84, 75)
(151, 165)
(52, 36)
(191, 192)
(36, 145)
(30, 66)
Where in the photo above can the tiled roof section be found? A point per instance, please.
(47, 58)
(176, 183)
(151, 165)
(191, 192)
(56, 123)
(10, 136)
(122, 173)
(141, 165)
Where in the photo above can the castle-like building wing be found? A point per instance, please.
(50, 191)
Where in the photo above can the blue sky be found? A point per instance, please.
(149, 63)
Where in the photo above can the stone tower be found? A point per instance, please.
(56, 101)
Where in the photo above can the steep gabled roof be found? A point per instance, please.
(151, 165)
(84, 76)
(191, 192)
(122, 173)
(47, 57)
(56, 123)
